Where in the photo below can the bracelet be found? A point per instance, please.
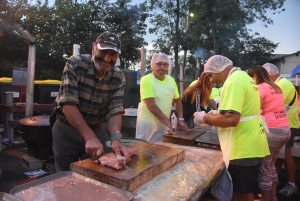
(181, 119)
(116, 135)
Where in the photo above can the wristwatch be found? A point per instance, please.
(116, 135)
(181, 119)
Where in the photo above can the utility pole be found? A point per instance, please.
(143, 61)
(182, 67)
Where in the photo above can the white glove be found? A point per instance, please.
(213, 112)
(198, 117)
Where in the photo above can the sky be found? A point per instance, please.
(285, 29)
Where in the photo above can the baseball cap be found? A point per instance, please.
(109, 41)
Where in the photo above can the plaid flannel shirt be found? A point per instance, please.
(96, 99)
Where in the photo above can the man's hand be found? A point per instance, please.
(181, 125)
(169, 129)
(94, 147)
(119, 149)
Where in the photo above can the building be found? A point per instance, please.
(286, 62)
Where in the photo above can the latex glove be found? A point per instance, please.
(198, 117)
(213, 112)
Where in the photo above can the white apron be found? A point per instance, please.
(225, 134)
(148, 127)
(223, 187)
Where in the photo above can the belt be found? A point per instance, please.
(65, 121)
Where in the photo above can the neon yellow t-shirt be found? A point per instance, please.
(289, 92)
(193, 82)
(215, 93)
(146, 86)
(240, 94)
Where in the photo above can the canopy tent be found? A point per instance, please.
(296, 72)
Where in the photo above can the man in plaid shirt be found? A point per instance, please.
(91, 92)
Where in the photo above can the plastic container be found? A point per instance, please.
(132, 89)
(5, 86)
(46, 91)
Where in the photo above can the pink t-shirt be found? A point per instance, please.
(273, 108)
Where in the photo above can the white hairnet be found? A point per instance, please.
(157, 57)
(216, 64)
(271, 68)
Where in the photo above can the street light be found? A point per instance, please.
(190, 15)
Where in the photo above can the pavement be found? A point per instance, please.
(13, 172)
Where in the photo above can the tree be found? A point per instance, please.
(129, 22)
(56, 28)
(218, 27)
(167, 20)
(224, 32)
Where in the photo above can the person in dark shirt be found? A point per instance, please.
(196, 98)
(91, 92)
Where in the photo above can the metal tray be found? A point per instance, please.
(68, 185)
(209, 139)
(7, 197)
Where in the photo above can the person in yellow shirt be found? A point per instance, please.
(241, 132)
(291, 103)
(158, 90)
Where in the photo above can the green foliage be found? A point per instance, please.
(218, 27)
(169, 20)
(57, 27)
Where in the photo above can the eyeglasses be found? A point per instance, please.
(162, 64)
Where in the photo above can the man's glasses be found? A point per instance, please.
(162, 64)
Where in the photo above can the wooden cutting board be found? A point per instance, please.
(151, 160)
(185, 137)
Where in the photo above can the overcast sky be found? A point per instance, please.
(285, 30)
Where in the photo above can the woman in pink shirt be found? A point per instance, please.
(273, 109)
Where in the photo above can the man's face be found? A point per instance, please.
(212, 83)
(215, 78)
(104, 59)
(161, 68)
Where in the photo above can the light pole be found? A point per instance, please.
(190, 15)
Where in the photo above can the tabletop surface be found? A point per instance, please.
(187, 180)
